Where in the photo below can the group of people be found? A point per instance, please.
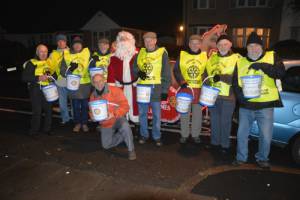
(127, 67)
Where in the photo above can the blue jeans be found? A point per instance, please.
(221, 120)
(63, 104)
(264, 118)
(80, 109)
(143, 116)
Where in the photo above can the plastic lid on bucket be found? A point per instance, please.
(184, 94)
(251, 76)
(97, 102)
(210, 87)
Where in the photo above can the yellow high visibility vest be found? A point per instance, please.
(192, 67)
(55, 59)
(103, 62)
(269, 91)
(151, 63)
(41, 67)
(218, 65)
(82, 59)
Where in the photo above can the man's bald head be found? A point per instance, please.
(98, 81)
(42, 52)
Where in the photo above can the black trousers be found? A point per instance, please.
(39, 104)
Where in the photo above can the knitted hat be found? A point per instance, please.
(61, 37)
(254, 38)
(77, 39)
(223, 37)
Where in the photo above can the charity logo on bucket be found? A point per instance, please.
(74, 83)
(97, 111)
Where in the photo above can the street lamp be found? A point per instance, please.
(181, 28)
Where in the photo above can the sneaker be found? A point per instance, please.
(85, 128)
(263, 164)
(158, 143)
(237, 163)
(142, 140)
(131, 155)
(183, 140)
(196, 140)
(76, 128)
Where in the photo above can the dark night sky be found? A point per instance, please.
(44, 16)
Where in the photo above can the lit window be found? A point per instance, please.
(240, 36)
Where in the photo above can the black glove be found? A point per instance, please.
(255, 66)
(184, 85)
(216, 78)
(47, 72)
(95, 58)
(73, 66)
(142, 75)
(164, 96)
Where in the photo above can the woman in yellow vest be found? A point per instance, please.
(35, 74)
(221, 65)
(152, 66)
(101, 58)
(76, 61)
(189, 72)
(260, 109)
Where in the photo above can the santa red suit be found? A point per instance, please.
(120, 71)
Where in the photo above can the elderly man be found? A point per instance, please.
(101, 58)
(259, 109)
(115, 129)
(76, 61)
(189, 71)
(35, 73)
(152, 67)
(55, 58)
(221, 65)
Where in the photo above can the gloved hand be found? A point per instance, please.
(216, 78)
(142, 75)
(255, 66)
(47, 72)
(73, 66)
(95, 58)
(164, 96)
(184, 85)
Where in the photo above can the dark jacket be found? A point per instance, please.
(276, 72)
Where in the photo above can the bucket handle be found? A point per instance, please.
(52, 78)
(187, 87)
(209, 77)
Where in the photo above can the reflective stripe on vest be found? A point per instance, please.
(192, 67)
(218, 65)
(41, 67)
(269, 90)
(151, 63)
(82, 59)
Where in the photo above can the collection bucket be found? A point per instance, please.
(50, 92)
(73, 82)
(95, 70)
(183, 102)
(208, 95)
(143, 94)
(251, 86)
(99, 109)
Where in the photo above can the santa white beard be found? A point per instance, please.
(125, 49)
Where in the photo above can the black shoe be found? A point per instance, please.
(183, 140)
(263, 164)
(142, 140)
(196, 140)
(238, 163)
(225, 151)
(158, 143)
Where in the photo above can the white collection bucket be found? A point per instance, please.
(50, 92)
(73, 82)
(99, 109)
(208, 95)
(183, 102)
(95, 70)
(251, 86)
(143, 93)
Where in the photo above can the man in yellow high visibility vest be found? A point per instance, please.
(260, 109)
(189, 72)
(152, 66)
(56, 57)
(221, 66)
(35, 73)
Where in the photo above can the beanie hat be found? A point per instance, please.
(61, 37)
(223, 37)
(254, 38)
